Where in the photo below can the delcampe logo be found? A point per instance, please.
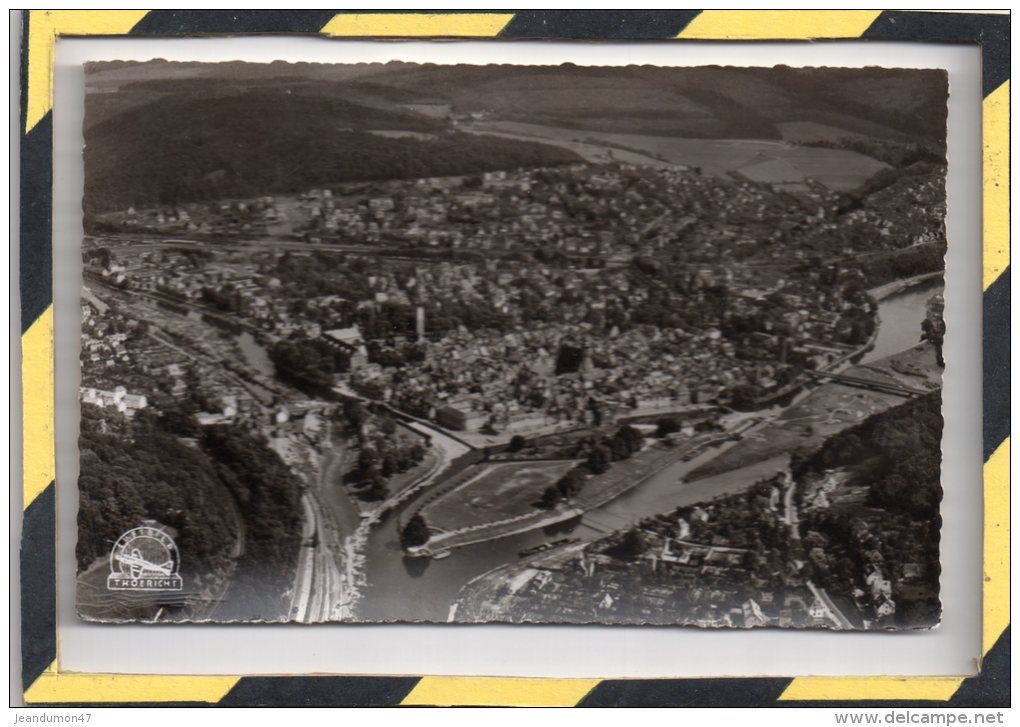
(144, 559)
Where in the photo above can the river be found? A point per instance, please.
(255, 354)
(417, 589)
(900, 319)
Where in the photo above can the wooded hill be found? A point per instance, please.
(201, 147)
(164, 133)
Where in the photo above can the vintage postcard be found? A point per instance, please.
(506, 343)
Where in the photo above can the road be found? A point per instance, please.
(884, 387)
(833, 613)
(303, 575)
(789, 508)
(393, 248)
(396, 249)
(318, 594)
(324, 563)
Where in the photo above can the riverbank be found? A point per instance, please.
(485, 598)
(897, 287)
(830, 408)
(445, 542)
(656, 457)
(583, 581)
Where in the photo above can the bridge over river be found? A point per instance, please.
(885, 387)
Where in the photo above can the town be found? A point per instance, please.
(556, 325)
(380, 337)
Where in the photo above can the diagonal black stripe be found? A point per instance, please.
(990, 30)
(995, 363)
(685, 693)
(325, 691)
(38, 587)
(991, 687)
(36, 210)
(598, 24)
(174, 22)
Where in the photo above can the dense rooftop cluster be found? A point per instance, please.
(667, 287)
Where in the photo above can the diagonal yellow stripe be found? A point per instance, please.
(995, 143)
(44, 26)
(498, 692)
(37, 406)
(405, 25)
(883, 688)
(54, 687)
(996, 548)
(779, 24)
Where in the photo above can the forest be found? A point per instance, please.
(917, 260)
(133, 471)
(307, 363)
(195, 148)
(268, 496)
(229, 502)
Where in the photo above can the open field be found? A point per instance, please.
(838, 169)
(494, 492)
(581, 142)
(808, 131)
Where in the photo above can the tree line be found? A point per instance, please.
(625, 442)
(271, 142)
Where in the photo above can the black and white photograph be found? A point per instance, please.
(400, 342)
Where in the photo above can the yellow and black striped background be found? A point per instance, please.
(44, 682)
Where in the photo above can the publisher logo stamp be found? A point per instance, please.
(144, 559)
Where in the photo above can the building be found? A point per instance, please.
(818, 610)
(752, 614)
(527, 421)
(463, 416)
(350, 341)
(118, 399)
